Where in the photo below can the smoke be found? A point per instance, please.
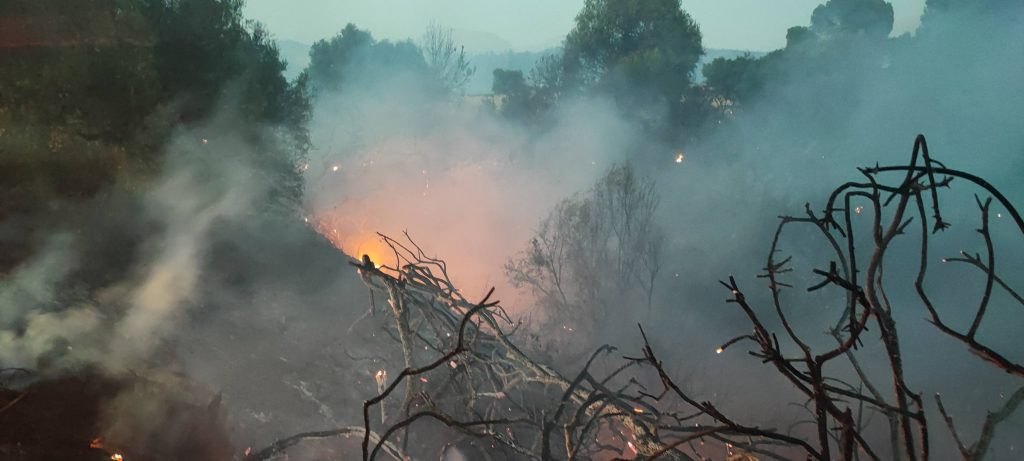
(468, 185)
(184, 275)
(119, 323)
(471, 187)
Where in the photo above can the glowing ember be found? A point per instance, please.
(638, 410)
(680, 157)
(858, 209)
(96, 443)
(719, 350)
(116, 457)
(381, 377)
(335, 168)
(423, 379)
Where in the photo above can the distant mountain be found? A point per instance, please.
(295, 54)
(477, 42)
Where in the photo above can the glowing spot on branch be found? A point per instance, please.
(719, 350)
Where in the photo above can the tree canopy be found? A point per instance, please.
(353, 54)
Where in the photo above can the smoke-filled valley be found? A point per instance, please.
(809, 253)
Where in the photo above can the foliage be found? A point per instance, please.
(872, 18)
(353, 55)
(643, 53)
(734, 79)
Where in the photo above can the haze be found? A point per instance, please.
(535, 25)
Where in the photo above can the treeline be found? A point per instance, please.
(92, 90)
(644, 54)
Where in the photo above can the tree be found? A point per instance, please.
(870, 18)
(734, 79)
(509, 82)
(446, 61)
(595, 251)
(643, 52)
(354, 56)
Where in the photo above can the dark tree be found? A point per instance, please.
(872, 18)
(641, 52)
(353, 55)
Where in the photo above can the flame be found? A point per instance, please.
(116, 457)
(719, 350)
(96, 443)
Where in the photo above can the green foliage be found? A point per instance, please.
(629, 45)
(734, 79)
(353, 54)
(871, 18)
(509, 82)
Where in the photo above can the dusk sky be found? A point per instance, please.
(527, 25)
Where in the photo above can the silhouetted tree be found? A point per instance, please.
(643, 52)
(353, 54)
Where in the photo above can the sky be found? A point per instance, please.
(532, 25)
